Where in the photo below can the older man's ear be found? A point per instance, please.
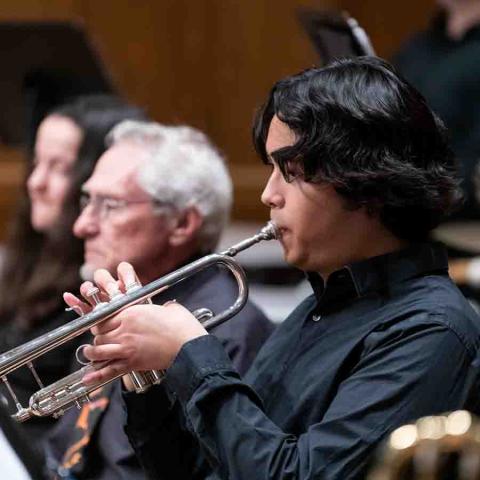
(186, 228)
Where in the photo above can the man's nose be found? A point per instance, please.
(271, 195)
(86, 224)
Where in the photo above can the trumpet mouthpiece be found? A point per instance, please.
(270, 231)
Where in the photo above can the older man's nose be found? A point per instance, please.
(86, 224)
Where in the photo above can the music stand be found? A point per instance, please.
(334, 34)
(44, 65)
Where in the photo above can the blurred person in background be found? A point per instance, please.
(442, 62)
(42, 257)
(159, 197)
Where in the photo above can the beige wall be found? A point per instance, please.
(208, 63)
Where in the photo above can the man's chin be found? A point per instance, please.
(290, 260)
(294, 260)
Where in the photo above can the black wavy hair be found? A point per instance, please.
(362, 128)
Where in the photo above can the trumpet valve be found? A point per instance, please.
(94, 295)
(81, 401)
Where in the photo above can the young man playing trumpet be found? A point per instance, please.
(360, 174)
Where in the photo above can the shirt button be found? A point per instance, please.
(316, 318)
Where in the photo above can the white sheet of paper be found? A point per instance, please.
(11, 466)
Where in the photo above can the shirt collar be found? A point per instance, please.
(379, 273)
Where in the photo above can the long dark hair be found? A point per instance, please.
(363, 129)
(39, 267)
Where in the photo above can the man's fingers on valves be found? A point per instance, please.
(127, 275)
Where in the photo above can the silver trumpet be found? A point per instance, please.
(54, 399)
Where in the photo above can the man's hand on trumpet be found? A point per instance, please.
(141, 337)
(101, 276)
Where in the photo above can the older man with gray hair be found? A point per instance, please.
(158, 198)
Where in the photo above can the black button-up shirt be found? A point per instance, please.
(385, 341)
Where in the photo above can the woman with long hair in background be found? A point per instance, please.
(42, 257)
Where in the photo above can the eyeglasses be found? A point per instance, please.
(105, 206)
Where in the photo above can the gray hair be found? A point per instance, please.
(184, 170)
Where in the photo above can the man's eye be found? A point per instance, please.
(110, 205)
(291, 177)
(292, 172)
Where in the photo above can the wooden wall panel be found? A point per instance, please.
(38, 9)
(207, 63)
(145, 48)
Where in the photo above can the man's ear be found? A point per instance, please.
(187, 225)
